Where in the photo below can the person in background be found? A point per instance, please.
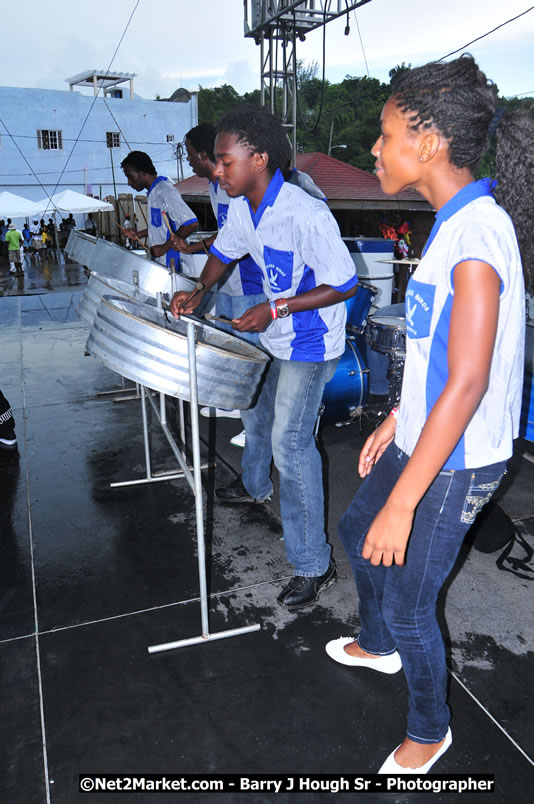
(90, 225)
(37, 241)
(242, 285)
(432, 465)
(70, 223)
(14, 240)
(27, 235)
(3, 244)
(8, 439)
(127, 224)
(163, 201)
(307, 273)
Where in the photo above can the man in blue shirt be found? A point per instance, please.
(163, 200)
(307, 273)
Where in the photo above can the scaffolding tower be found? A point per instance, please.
(275, 25)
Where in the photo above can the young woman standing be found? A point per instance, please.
(432, 465)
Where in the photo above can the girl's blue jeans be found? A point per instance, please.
(397, 604)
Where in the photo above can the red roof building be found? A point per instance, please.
(345, 186)
(354, 196)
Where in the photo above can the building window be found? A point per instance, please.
(48, 140)
(113, 139)
(170, 137)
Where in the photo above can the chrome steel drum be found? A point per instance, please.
(109, 259)
(80, 247)
(100, 286)
(359, 305)
(386, 332)
(150, 347)
(345, 394)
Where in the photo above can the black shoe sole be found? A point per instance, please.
(245, 500)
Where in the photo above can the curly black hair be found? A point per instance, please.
(261, 131)
(140, 161)
(457, 99)
(202, 138)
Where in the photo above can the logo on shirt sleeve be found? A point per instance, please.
(155, 216)
(419, 304)
(279, 267)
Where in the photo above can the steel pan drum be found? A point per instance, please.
(149, 347)
(109, 259)
(80, 247)
(100, 286)
(120, 263)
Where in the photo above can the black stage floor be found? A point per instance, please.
(92, 575)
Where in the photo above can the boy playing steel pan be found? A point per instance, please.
(306, 273)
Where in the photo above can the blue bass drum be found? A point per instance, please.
(358, 307)
(346, 393)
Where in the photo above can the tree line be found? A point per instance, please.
(331, 115)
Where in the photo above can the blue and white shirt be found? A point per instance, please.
(164, 197)
(471, 226)
(295, 240)
(246, 278)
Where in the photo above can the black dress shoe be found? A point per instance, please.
(237, 493)
(302, 591)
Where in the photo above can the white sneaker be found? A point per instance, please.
(13, 270)
(220, 412)
(239, 439)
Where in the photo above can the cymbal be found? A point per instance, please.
(414, 261)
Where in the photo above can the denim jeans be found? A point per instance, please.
(397, 604)
(230, 307)
(281, 426)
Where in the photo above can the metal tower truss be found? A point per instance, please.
(275, 26)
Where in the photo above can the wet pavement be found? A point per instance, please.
(92, 575)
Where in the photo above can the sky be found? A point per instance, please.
(173, 43)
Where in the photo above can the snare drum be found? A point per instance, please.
(386, 332)
(359, 305)
(346, 393)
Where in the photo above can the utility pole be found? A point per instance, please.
(179, 153)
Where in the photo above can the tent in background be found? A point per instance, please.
(71, 201)
(14, 206)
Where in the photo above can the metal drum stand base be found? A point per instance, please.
(195, 482)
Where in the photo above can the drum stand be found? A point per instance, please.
(195, 482)
(394, 376)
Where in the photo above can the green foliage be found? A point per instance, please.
(347, 113)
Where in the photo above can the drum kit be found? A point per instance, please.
(345, 396)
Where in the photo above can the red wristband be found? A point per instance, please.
(274, 309)
(394, 412)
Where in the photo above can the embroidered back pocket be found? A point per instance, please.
(478, 495)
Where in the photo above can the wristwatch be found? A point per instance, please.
(282, 308)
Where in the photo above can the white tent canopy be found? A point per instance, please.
(14, 206)
(71, 201)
